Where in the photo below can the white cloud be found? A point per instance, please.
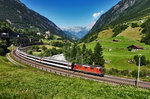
(95, 15)
(75, 29)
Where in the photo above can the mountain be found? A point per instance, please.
(18, 15)
(123, 12)
(70, 35)
(78, 31)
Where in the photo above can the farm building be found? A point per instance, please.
(115, 40)
(96, 40)
(134, 48)
(4, 35)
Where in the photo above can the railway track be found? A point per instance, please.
(65, 72)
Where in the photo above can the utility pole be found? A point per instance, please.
(82, 58)
(138, 77)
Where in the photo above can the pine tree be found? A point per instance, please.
(83, 54)
(78, 55)
(143, 60)
(85, 57)
(146, 31)
(65, 52)
(89, 57)
(84, 49)
(98, 58)
(44, 48)
(3, 47)
(74, 51)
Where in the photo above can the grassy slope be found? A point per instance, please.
(132, 33)
(48, 46)
(45, 41)
(105, 34)
(19, 82)
(119, 54)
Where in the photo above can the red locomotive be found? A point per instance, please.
(88, 69)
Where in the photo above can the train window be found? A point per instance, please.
(80, 66)
(85, 67)
(92, 68)
(100, 69)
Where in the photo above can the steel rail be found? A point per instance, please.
(64, 72)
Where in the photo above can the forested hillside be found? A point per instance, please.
(19, 16)
(146, 32)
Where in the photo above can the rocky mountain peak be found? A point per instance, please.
(122, 6)
(114, 13)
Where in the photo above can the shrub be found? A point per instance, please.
(41, 55)
(33, 47)
(59, 51)
(129, 49)
(118, 29)
(3, 47)
(134, 25)
(58, 44)
(143, 60)
(134, 73)
(37, 48)
(136, 58)
(104, 70)
(47, 53)
(51, 37)
(146, 31)
(125, 72)
(44, 48)
(113, 71)
(2, 52)
(29, 52)
(51, 52)
(144, 73)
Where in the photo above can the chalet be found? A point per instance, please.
(141, 21)
(115, 40)
(38, 33)
(4, 35)
(135, 48)
(96, 40)
(47, 34)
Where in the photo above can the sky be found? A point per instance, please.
(69, 13)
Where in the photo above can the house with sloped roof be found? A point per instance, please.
(134, 48)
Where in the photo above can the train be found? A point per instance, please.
(63, 64)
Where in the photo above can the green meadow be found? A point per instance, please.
(119, 54)
(30, 83)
